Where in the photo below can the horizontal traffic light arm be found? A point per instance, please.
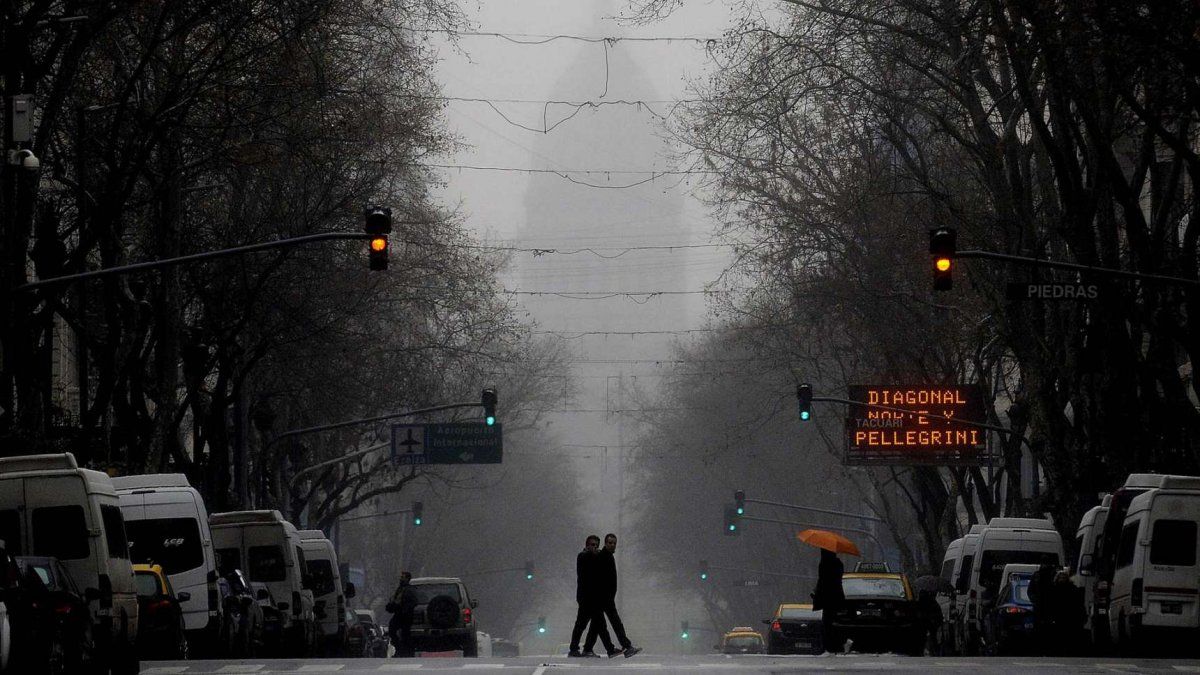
(1075, 267)
(797, 507)
(866, 533)
(375, 515)
(195, 257)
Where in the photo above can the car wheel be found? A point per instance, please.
(56, 654)
(470, 648)
(442, 611)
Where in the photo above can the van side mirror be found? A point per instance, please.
(1087, 565)
(263, 594)
(350, 590)
(91, 594)
(283, 606)
(184, 596)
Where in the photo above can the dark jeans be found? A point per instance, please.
(593, 614)
(829, 634)
(609, 609)
(402, 639)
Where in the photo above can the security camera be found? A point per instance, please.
(25, 159)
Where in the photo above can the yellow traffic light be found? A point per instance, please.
(943, 264)
(379, 244)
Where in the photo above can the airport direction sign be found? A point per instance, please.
(447, 443)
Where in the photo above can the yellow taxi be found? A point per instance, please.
(880, 613)
(741, 640)
(795, 629)
(160, 618)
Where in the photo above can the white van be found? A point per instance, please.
(329, 596)
(1156, 583)
(51, 507)
(1087, 536)
(955, 625)
(267, 549)
(167, 525)
(1004, 541)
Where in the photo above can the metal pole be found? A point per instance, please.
(813, 508)
(1075, 267)
(819, 525)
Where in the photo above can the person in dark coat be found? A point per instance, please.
(608, 598)
(829, 597)
(1041, 596)
(587, 594)
(401, 605)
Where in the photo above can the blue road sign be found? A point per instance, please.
(447, 443)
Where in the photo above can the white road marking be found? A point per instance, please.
(1038, 664)
(1129, 667)
(401, 666)
(481, 666)
(242, 668)
(1188, 669)
(322, 668)
(164, 670)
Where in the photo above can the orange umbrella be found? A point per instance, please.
(830, 541)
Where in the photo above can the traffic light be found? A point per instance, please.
(804, 399)
(703, 570)
(942, 245)
(739, 501)
(378, 224)
(529, 570)
(541, 624)
(683, 630)
(732, 524)
(489, 406)
(417, 508)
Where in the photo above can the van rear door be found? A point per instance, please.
(59, 523)
(13, 528)
(1171, 579)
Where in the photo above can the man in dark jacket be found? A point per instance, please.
(402, 604)
(608, 598)
(587, 594)
(829, 597)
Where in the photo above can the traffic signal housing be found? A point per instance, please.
(739, 501)
(804, 401)
(943, 244)
(489, 398)
(417, 509)
(732, 522)
(529, 570)
(541, 624)
(378, 224)
(683, 630)
(703, 570)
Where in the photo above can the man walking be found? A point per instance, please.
(608, 597)
(587, 595)
(401, 605)
(828, 598)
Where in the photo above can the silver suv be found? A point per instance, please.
(444, 618)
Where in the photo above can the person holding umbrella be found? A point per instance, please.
(828, 596)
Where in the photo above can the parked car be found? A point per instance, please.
(377, 639)
(880, 614)
(443, 619)
(162, 633)
(1008, 626)
(51, 507)
(741, 640)
(54, 629)
(329, 592)
(274, 617)
(243, 617)
(795, 629)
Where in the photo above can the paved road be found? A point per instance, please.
(664, 665)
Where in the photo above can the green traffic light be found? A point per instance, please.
(491, 420)
(804, 415)
(704, 576)
(741, 511)
(541, 629)
(529, 576)
(683, 636)
(417, 520)
(732, 527)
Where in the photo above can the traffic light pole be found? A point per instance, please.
(812, 508)
(1075, 267)
(375, 515)
(195, 257)
(866, 533)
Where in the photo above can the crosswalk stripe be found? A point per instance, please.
(322, 668)
(401, 666)
(481, 666)
(241, 668)
(1188, 669)
(164, 670)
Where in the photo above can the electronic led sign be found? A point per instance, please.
(908, 425)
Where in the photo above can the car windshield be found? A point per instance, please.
(1020, 592)
(744, 641)
(798, 613)
(881, 588)
(146, 584)
(426, 592)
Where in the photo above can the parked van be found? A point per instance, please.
(1156, 583)
(167, 525)
(1105, 560)
(955, 626)
(1004, 541)
(329, 594)
(51, 507)
(267, 548)
(1087, 537)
